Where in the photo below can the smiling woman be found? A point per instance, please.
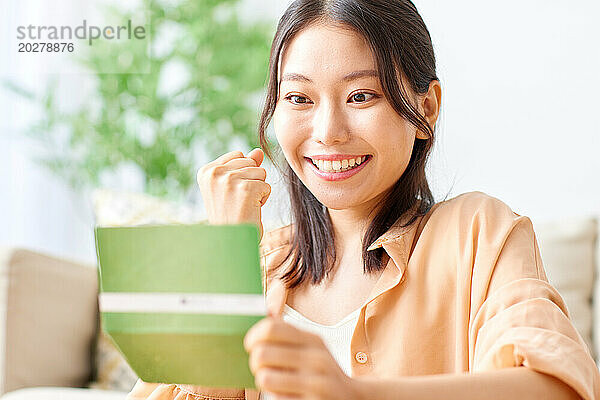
(344, 115)
(443, 300)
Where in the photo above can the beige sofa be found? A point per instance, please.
(49, 312)
(48, 327)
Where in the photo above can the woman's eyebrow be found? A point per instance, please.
(293, 76)
(360, 74)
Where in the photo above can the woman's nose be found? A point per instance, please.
(329, 125)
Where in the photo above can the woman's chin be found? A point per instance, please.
(337, 195)
(339, 202)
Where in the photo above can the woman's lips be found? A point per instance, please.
(333, 175)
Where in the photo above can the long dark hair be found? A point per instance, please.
(401, 44)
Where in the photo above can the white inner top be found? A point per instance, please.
(337, 337)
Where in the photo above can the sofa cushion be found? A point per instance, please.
(48, 309)
(568, 250)
(54, 393)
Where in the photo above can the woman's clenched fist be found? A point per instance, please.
(233, 188)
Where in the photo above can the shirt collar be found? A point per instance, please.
(397, 242)
(397, 230)
(394, 234)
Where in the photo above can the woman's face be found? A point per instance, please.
(337, 131)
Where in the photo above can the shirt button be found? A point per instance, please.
(361, 357)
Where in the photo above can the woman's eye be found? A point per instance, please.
(361, 97)
(295, 99)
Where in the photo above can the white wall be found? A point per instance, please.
(37, 210)
(520, 95)
(520, 102)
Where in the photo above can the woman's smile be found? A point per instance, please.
(337, 167)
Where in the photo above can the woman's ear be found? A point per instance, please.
(430, 107)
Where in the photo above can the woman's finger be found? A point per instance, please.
(254, 173)
(280, 382)
(265, 194)
(240, 163)
(261, 188)
(257, 155)
(277, 356)
(274, 329)
(227, 157)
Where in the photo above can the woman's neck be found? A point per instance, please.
(348, 227)
(350, 224)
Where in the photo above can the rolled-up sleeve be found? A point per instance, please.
(522, 320)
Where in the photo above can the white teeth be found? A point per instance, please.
(338, 165)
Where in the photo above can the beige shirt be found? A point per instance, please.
(464, 290)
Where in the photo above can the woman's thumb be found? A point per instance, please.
(257, 155)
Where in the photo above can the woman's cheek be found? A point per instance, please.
(366, 122)
(290, 131)
(281, 123)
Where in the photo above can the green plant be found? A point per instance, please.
(129, 120)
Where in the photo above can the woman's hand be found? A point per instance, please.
(294, 364)
(233, 188)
